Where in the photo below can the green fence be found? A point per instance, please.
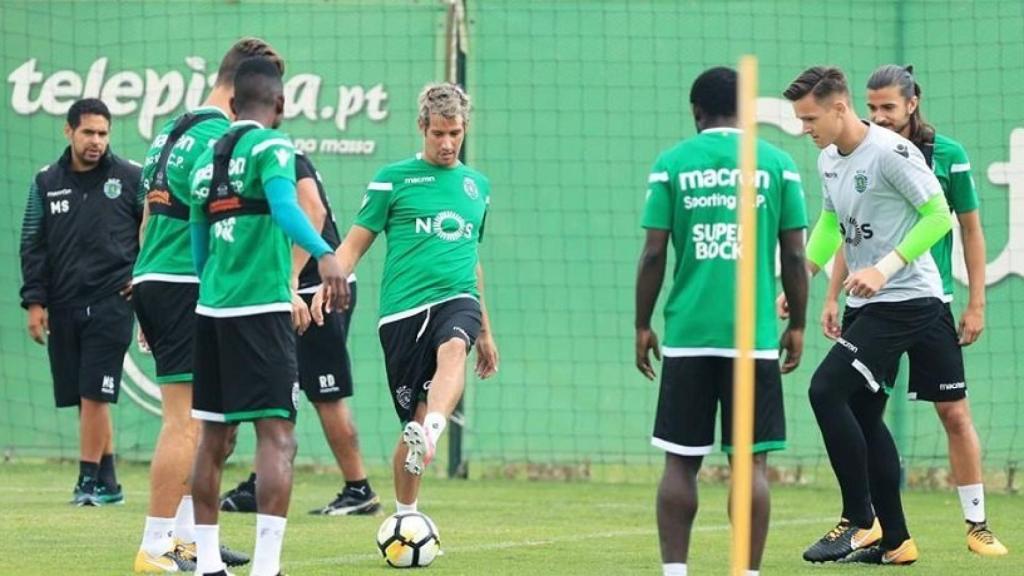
(573, 102)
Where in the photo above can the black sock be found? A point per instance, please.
(107, 474)
(252, 479)
(358, 484)
(89, 470)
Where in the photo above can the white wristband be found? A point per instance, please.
(890, 265)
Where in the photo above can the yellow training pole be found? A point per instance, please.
(743, 379)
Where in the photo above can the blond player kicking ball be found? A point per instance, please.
(432, 208)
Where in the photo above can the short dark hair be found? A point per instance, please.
(86, 106)
(714, 92)
(821, 81)
(257, 84)
(248, 47)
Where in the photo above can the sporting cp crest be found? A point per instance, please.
(860, 182)
(112, 188)
(469, 186)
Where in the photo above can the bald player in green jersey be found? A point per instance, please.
(692, 200)
(244, 218)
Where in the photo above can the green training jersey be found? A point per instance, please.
(433, 218)
(166, 255)
(693, 193)
(953, 169)
(249, 261)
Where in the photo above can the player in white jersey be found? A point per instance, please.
(885, 207)
(894, 99)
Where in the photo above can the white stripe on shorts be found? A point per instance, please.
(681, 450)
(866, 373)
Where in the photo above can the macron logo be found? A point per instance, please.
(845, 344)
(282, 156)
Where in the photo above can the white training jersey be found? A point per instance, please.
(875, 192)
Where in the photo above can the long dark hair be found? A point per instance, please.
(921, 132)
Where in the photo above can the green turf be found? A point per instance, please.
(488, 527)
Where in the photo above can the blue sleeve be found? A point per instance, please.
(284, 209)
(200, 232)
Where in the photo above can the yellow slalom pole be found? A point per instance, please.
(746, 279)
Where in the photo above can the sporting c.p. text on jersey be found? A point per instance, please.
(692, 193)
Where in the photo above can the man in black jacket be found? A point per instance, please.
(79, 241)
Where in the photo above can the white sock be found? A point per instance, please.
(184, 521)
(753, 573)
(434, 424)
(156, 536)
(208, 549)
(266, 560)
(972, 500)
(673, 569)
(405, 508)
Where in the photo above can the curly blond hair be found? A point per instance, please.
(443, 99)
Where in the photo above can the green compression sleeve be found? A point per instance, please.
(825, 239)
(935, 222)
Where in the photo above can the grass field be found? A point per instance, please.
(488, 527)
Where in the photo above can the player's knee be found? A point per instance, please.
(230, 441)
(955, 416)
(453, 350)
(680, 497)
(818, 392)
(213, 439)
(760, 471)
(179, 423)
(280, 440)
(289, 446)
(351, 435)
(761, 464)
(827, 383)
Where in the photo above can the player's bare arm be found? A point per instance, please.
(649, 276)
(795, 285)
(823, 244)
(830, 324)
(972, 321)
(316, 212)
(140, 337)
(38, 323)
(143, 223)
(356, 243)
(486, 349)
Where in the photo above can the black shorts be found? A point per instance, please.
(874, 336)
(245, 368)
(167, 316)
(325, 370)
(410, 348)
(87, 347)
(938, 373)
(691, 390)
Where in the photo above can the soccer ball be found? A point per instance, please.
(408, 540)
